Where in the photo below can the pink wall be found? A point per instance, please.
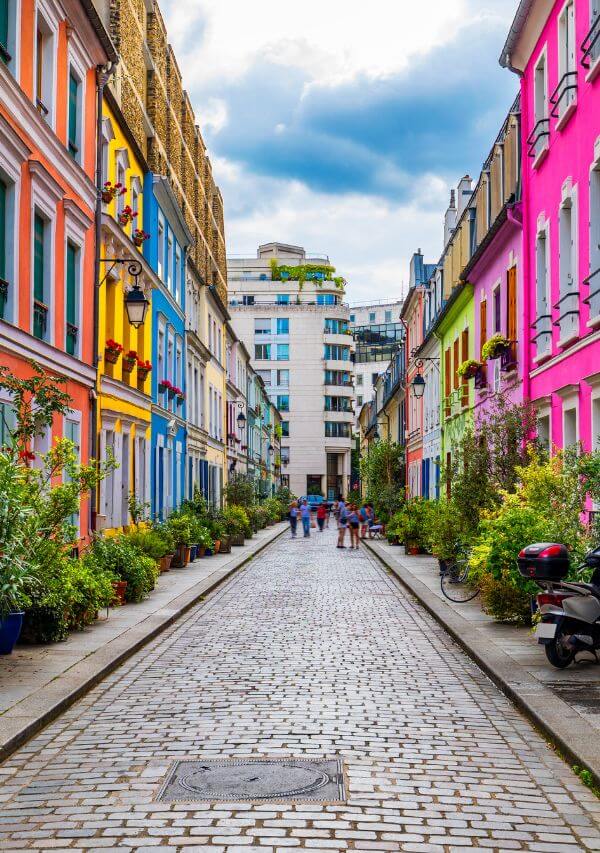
(570, 156)
(490, 273)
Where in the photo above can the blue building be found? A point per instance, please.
(166, 251)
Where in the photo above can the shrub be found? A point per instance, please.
(162, 530)
(272, 508)
(236, 521)
(239, 491)
(122, 560)
(149, 542)
(178, 525)
(199, 532)
(446, 530)
(217, 529)
(412, 523)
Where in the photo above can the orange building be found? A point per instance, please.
(49, 56)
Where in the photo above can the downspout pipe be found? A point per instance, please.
(103, 73)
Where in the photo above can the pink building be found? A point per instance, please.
(556, 49)
(495, 268)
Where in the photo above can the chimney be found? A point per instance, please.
(465, 190)
(450, 218)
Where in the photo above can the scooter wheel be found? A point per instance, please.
(558, 652)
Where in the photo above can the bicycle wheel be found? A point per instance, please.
(455, 582)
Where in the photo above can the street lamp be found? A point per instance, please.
(270, 450)
(136, 306)
(418, 386)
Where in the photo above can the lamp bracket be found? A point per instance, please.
(134, 268)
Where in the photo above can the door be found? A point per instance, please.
(124, 479)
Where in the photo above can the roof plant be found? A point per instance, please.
(306, 272)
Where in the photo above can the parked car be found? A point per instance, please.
(313, 500)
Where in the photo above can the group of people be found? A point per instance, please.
(360, 520)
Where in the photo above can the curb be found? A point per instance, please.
(560, 724)
(108, 660)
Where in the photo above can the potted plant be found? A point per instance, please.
(112, 351)
(129, 361)
(166, 536)
(218, 534)
(126, 216)
(120, 590)
(110, 191)
(179, 394)
(237, 524)
(494, 347)
(179, 526)
(143, 369)
(163, 385)
(171, 390)
(15, 576)
(468, 369)
(205, 541)
(139, 237)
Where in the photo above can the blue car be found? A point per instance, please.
(313, 500)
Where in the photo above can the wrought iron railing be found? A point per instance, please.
(543, 336)
(538, 138)
(564, 94)
(590, 46)
(481, 378)
(40, 319)
(571, 310)
(72, 334)
(593, 298)
(508, 357)
(3, 297)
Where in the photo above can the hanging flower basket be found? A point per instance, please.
(112, 351)
(494, 347)
(139, 237)
(129, 361)
(126, 216)
(143, 368)
(110, 191)
(164, 385)
(468, 369)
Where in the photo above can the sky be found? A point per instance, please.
(341, 127)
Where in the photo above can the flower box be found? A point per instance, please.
(164, 385)
(139, 237)
(110, 191)
(144, 368)
(112, 351)
(126, 216)
(129, 361)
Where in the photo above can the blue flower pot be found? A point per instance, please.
(10, 628)
(193, 552)
(208, 552)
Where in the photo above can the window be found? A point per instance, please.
(511, 312)
(482, 326)
(388, 317)
(543, 322)
(497, 307)
(359, 400)
(177, 273)
(161, 248)
(326, 299)
(352, 318)
(262, 326)
(7, 30)
(8, 423)
(569, 293)
(74, 141)
(283, 326)
(283, 378)
(285, 455)
(359, 379)
(337, 404)
(72, 433)
(44, 69)
(285, 429)
(374, 378)
(169, 261)
(265, 375)
(337, 377)
(371, 317)
(72, 298)
(333, 429)
(565, 94)
(283, 299)
(336, 352)
(283, 402)
(335, 327)
(283, 352)
(248, 299)
(543, 431)
(262, 352)
(570, 438)
(40, 309)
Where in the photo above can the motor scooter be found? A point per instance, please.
(569, 610)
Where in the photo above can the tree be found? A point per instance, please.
(383, 473)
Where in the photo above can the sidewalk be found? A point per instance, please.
(564, 704)
(37, 683)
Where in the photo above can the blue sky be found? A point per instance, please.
(340, 130)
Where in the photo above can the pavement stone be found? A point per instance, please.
(307, 651)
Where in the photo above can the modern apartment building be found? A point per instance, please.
(288, 310)
(377, 334)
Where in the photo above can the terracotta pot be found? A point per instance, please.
(119, 588)
(142, 374)
(179, 561)
(225, 547)
(412, 549)
(217, 546)
(128, 365)
(166, 561)
(107, 196)
(201, 551)
(188, 552)
(111, 356)
(139, 242)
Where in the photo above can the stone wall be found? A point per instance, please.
(148, 86)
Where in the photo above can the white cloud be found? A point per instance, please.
(331, 41)
(369, 239)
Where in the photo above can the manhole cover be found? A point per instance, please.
(255, 779)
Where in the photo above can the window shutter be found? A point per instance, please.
(73, 91)
(4, 24)
(447, 380)
(2, 219)
(511, 289)
(465, 355)
(456, 363)
(71, 283)
(482, 325)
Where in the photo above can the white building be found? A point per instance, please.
(377, 333)
(294, 323)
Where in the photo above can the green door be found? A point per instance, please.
(71, 297)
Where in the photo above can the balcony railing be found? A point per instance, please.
(3, 297)
(593, 298)
(538, 138)
(71, 341)
(568, 319)
(564, 94)
(481, 378)
(590, 46)
(40, 319)
(508, 358)
(543, 335)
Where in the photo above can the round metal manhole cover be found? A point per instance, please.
(255, 779)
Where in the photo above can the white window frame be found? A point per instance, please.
(45, 195)
(593, 288)
(49, 72)
(543, 233)
(77, 65)
(13, 153)
(569, 289)
(76, 225)
(541, 105)
(160, 256)
(567, 59)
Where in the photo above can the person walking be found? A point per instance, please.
(363, 518)
(321, 516)
(335, 509)
(305, 515)
(354, 524)
(342, 523)
(293, 516)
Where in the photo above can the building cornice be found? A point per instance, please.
(20, 343)
(122, 391)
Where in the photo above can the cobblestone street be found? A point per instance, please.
(308, 651)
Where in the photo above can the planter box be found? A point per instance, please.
(225, 546)
(111, 356)
(237, 539)
(119, 588)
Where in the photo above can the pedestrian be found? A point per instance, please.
(305, 515)
(328, 515)
(321, 515)
(335, 509)
(342, 523)
(293, 516)
(363, 517)
(354, 524)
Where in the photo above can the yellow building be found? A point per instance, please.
(124, 381)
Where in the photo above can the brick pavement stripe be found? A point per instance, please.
(306, 652)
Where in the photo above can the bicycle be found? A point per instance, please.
(455, 582)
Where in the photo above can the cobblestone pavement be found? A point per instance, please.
(314, 652)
